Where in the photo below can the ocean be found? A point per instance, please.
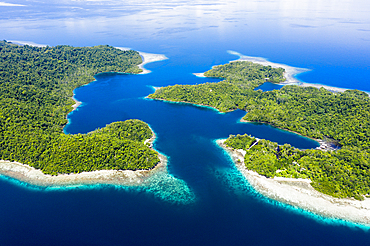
(204, 200)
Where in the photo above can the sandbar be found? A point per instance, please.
(200, 75)
(77, 103)
(147, 58)
(289, 74)
(299, 193)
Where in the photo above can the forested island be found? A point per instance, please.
(36, 85)
(36, 89)
(340, 118)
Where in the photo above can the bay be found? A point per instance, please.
(331, 39)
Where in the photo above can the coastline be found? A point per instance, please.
(289, 74)
(33, 176)
(194, 104)
(36, 177)
(299, 193)
(76, 105)
(200, 75)
(147, 58)
(157, 181)
(323, 144)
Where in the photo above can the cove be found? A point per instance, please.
(116, 97)
(268, 86)
(185, 133)
(225, 208)
(331, 38)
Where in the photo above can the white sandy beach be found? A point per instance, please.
(299, 193)
(147, 58)
(296, 192)
(34, 176)
(200, 75)
(156, 181)
(77, 103)
(289, 74)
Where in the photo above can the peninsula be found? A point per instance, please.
(339, 117)
(36, 85)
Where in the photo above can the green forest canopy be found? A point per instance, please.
(317, 113)
(342, 173)
(36, 86)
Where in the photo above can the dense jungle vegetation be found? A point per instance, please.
(227, 95)
(36, 86)
(342, 173)
(344, 118)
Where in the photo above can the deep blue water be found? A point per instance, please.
(268, 86)
(204, 200)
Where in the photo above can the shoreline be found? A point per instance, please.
(193, 104)
(323, 144)
(175, 190)
(76, 105)
(157, 180)
(289, 71)
(299, 193)
(147, 58)
(289, 74)
(200, 75)
(33, 176)
(184, 102)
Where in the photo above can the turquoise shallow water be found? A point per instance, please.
(203, 200)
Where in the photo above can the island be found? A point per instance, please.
(37, 84)
(337, 173)
(36, 94)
